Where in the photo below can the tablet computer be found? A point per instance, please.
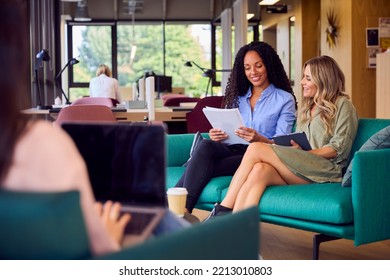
(298, 137)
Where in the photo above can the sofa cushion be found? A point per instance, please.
(325, 203)
(380, 140)
(215, 190)
(173, 175)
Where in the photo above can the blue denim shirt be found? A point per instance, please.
(274, 113)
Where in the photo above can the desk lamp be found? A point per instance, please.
(72, 61)
(206, 73)
(209, 73)
(41, 56)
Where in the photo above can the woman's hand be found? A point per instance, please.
(217, 134)
(251, 135)
(295, 145)
(114, 222)
(246, 133)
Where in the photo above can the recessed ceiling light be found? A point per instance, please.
(267, 2)
(249, 16)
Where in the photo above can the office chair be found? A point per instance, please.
(85, 113)
(196, 120)
(109, 102)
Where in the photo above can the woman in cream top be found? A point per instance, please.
(103, 85)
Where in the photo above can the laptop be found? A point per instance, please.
(126, 163)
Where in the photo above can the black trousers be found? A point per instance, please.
(210, 159)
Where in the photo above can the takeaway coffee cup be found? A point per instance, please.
(177, 200)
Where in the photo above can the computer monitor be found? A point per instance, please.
(162, 83)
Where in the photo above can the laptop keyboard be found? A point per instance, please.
(138, 222)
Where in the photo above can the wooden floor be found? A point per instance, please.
(282, 243)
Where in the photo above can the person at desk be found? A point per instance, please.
(37, 157)
(330, 122)
(259, 87)
(104, 85)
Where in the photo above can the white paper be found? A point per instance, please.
(228, 120)
(149, 88)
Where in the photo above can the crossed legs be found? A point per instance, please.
(259, 168)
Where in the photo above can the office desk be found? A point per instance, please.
(165, 114)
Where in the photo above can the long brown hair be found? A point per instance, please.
(13, 77)
(330, 81)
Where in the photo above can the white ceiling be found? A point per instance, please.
(206, 10)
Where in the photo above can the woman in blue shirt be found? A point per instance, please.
(259, 87)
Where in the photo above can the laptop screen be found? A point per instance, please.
(126, 162)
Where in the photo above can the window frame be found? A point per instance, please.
(114, 62)
(114, 53)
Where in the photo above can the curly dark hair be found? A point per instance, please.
(238, 84)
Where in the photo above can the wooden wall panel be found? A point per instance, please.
(342, 51)
(364, 79)
(383, 86)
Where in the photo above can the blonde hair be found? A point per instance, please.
(330, 81)
(103, 69)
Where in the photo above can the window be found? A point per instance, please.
(149, 53)
(161, 47)
(188, 42)
(91, 45)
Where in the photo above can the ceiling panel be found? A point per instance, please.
(206, 10)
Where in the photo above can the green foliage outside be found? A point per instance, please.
(180, 46)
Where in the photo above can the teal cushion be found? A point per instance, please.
(173, 175)
(380, 140)
(214, 191)
(178, 148)
(42, 226)
(325, 203)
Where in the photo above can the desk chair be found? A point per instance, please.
(85, 113)
(196, 120)
(50, 225)
(109, 102)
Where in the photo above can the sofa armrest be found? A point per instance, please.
(232, 237)
(178, 148)
(371, 195)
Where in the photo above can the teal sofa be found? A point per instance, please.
(360, 213)
(46, 226)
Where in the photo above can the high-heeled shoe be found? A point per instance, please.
(218, 210)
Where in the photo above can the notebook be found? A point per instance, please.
(126, 163)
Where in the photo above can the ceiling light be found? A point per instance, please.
(267, 2)
(133, 51)
(82, 11)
